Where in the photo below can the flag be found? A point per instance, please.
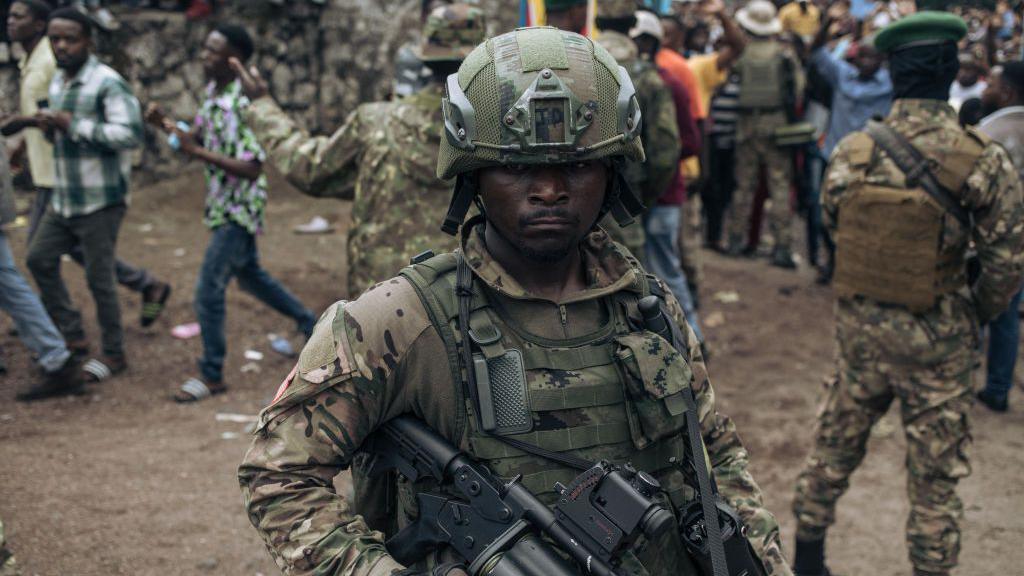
(531, 13)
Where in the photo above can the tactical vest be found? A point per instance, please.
(616, 394)
(889, 238)
(762, 76)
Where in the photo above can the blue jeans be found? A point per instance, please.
(232, 253)
(1004, 335)
(815, 166)
(661, 226)
(35, 328)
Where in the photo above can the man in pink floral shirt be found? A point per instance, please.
(235, 200)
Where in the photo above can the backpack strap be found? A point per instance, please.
(916, 168)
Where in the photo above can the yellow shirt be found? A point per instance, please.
(37, 69)
(709, 78)
(796, 21)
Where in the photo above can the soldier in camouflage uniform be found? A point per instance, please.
(660, 134)
(770, 78)
(545, 282)
(382, 158)
(8, 567)
(904, 330)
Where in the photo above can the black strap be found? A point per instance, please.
(464, 293)
(567, 460)
(916, 168)
(462, 198)
(707, 489)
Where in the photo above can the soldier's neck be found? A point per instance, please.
(552, 280)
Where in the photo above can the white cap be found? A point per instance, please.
(647, 23)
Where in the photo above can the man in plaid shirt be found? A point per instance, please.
(94, 120)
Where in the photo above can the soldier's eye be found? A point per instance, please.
(518, 168)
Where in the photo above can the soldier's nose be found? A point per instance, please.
(548, 187)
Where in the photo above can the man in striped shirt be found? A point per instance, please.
(93, 120)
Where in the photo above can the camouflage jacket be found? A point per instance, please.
(382, 159)
(992, 194)
(660, 131)
(377, 357)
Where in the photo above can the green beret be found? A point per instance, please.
(927, 27)
(557, 5)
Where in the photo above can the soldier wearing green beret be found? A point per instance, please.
(538, 124)
(904, 199)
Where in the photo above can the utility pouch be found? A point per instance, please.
(657, 377)
(740, 557)
(502, 390)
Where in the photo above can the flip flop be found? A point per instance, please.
(152, 309)
(194, 390)
(99, 370)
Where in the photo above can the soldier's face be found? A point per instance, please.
(543, 211)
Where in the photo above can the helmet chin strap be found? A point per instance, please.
(462, 198)
(621, 201)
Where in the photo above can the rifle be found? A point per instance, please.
(498, 527)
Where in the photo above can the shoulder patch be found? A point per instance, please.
(325, 357)
(380, 326)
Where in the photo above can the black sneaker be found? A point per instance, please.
(992, 403)
(783, 259)
(67, 381)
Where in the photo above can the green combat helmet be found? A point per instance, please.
(538, 96)
(451, 32)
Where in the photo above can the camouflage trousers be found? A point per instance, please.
(754, 148)
(7, 565)
(925, 363)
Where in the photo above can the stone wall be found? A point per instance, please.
(321, 60)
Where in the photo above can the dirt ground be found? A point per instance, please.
(124, 481)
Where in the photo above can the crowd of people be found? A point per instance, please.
(892, 132)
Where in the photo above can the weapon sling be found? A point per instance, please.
(916, 168)
(708, 491)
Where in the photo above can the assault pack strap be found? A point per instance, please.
(916, 168)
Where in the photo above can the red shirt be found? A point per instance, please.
(689, 137)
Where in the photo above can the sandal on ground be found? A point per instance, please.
(96, 370)
(194, 390)
(153, 301)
